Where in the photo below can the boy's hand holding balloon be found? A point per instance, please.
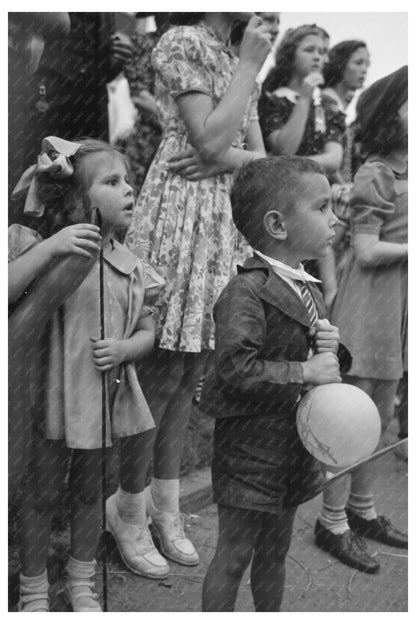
(326, 337)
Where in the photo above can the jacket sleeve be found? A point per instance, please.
(240, 336)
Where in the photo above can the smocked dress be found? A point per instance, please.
(370, 308)
(185, 229)
(65, 387)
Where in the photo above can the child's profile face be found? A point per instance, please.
(310, 223)
(109, 189)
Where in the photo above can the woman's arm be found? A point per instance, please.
(191, 166)
(212, 130)
(331, 157)
(286, 140)
(371, 251)
(81, 239)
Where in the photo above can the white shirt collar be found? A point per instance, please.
(288, 93)
(287, 271)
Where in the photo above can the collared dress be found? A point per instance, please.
(65, 387)
(182, 228)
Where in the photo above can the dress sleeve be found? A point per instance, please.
(179, 59)
(372, 198)
(21, 239)
(273, 113)
(335, 125)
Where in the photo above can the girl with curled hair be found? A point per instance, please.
(69, 183)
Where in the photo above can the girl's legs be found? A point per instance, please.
(362, 516)
(268, 570)
(174, 421)
(238, 531)
(169, 379)
(85, 484)
(126, 509)
(85, 481)
(42, 493)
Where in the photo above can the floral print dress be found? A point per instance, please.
(185, 229)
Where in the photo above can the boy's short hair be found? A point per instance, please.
(265, 184)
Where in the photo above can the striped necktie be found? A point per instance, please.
(309, 302)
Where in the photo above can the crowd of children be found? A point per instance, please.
(243, 176)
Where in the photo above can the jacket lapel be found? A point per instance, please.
(277, 292)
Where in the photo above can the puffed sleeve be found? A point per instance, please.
(153, 284)
(335, 124)
(273, 113)
(21, 239)
(180, 60)
(372, 198)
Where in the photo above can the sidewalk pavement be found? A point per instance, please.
(315, 581)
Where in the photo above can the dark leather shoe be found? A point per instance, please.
(380, 529)
(347, 547)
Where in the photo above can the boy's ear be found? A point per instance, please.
(274, 224)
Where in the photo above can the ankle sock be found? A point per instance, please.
(165, 494)
(131, 507)
(362, 505)
(80, 569)
(334, 519)
(30, 585)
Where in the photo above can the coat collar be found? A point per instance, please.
(121, 258)
(279, 294)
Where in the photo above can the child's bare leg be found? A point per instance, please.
(268, 570)
(237, 533)
(171, 434)
(85, 483)
(42, 494)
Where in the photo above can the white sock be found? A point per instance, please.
(34, 584)
(165, 494)
(80, 569)
(362, 505)
(334, 519)
(131, 507)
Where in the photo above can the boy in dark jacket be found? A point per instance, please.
(272, 342)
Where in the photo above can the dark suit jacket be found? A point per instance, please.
(262, 336)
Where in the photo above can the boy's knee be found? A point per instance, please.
(237, 564)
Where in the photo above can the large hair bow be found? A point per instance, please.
(54, 160)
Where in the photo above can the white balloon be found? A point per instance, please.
(338, 424)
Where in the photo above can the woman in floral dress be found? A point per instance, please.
(183, 226)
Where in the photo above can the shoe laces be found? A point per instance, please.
(355, 540)
(178, 522)
(146, 538)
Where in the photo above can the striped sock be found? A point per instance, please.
(334, 519)
(362, 505)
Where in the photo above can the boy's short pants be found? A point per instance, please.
(260, 463)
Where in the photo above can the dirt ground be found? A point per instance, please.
(316, 582)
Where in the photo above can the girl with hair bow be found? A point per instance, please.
(69, 183)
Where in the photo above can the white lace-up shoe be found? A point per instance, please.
(135, 545)
(173, 542)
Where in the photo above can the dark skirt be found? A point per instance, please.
(260, 463)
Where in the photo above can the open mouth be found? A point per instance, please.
(129, 208)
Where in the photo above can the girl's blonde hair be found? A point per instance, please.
(66, 201)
